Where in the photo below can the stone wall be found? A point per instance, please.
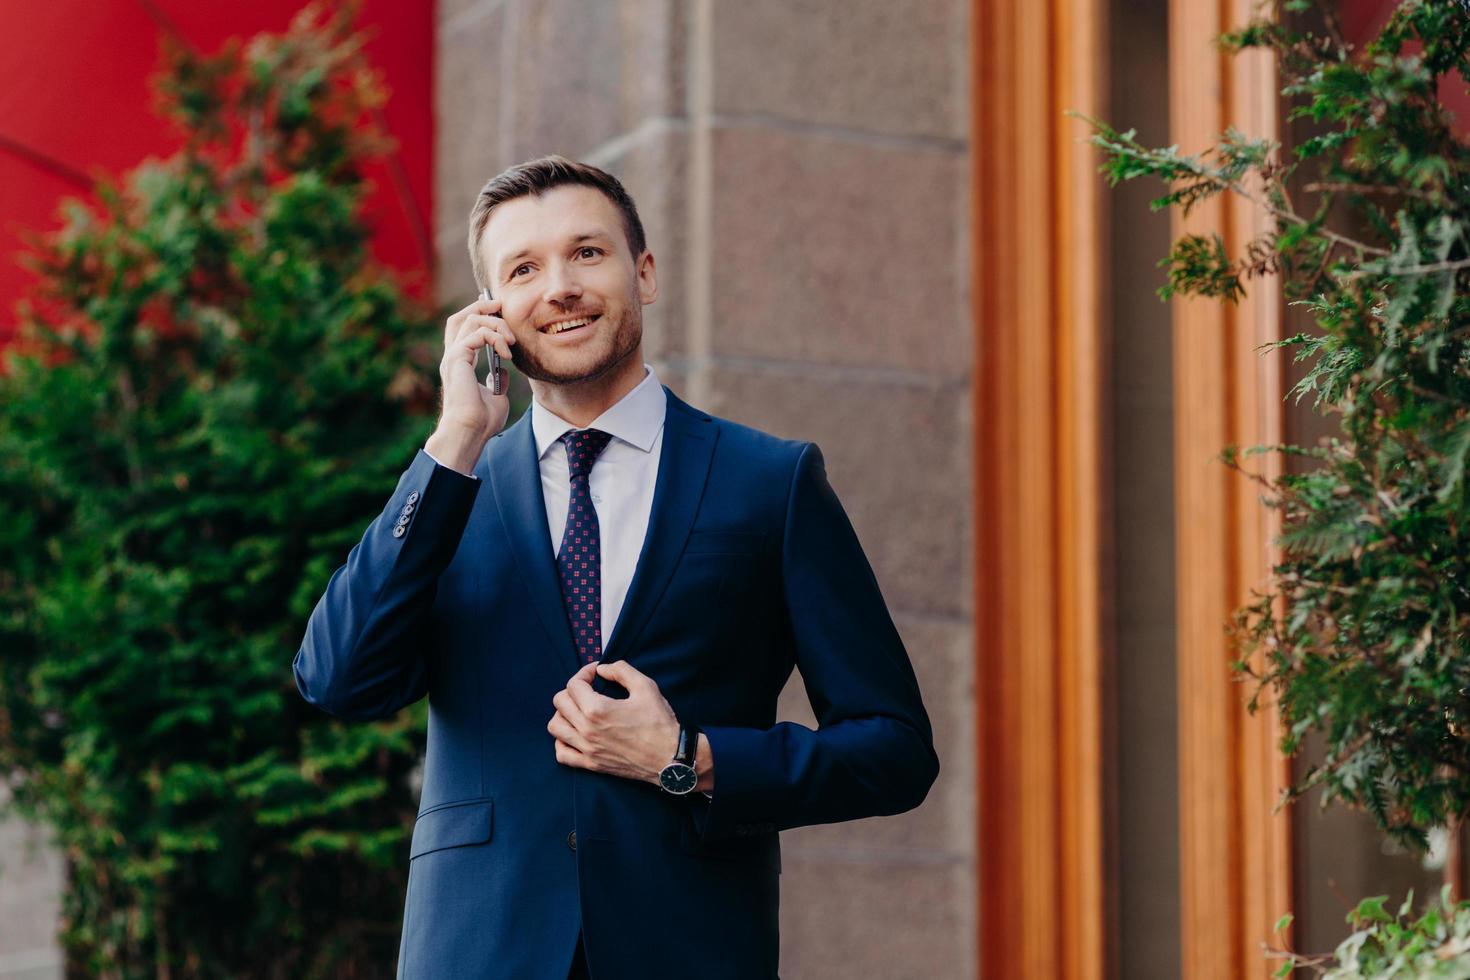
(802, 172)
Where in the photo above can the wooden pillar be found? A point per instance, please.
(1041, 507)
(1235, 870)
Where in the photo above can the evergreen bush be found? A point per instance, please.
(1364, 633)
(212, 393)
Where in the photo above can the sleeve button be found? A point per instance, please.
(399, 529)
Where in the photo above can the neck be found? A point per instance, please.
(584, 401)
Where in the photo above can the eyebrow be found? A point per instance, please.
(586, 236)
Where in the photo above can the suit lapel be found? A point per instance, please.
(689, 444)
(515, 475)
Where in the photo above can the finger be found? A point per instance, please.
(501, 335)
(569, 756)
(569, 710)
(455, 329)
(481, 320)
(497, 339)
(588, 701)
(468, 326)
(564, 731)
(626, 674)
(467, 347)
(454, 323)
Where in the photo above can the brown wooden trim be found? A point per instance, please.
(1040, 512)
(1235, 871)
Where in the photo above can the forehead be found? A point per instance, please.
(531, 223)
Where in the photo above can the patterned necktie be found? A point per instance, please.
(579, 561)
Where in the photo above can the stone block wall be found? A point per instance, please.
(802, 171)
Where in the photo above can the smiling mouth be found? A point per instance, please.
(570, 326)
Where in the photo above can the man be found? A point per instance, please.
(602, 603)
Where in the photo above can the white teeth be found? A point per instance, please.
(569, 324)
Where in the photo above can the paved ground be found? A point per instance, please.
(30, 889)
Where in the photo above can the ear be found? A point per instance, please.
(647, 277)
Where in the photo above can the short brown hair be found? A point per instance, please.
(533, 178)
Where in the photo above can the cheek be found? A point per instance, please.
(517, 316)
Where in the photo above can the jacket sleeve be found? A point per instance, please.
(362, 656)
(873, 752)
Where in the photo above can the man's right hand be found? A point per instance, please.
(470, 413)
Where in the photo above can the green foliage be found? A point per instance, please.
(1364, 632)
(212, 393)
(1384, 944)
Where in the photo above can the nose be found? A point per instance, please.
(561, 285)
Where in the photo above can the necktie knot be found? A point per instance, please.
(583, 448)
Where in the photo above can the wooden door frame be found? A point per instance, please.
(1046, 888)
(1236, 854)
(1041, 502)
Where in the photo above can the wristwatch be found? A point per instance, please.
(679, 777)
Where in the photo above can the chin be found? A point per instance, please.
(571, 367)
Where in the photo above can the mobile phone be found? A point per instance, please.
(494, 358)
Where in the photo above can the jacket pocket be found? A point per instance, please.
(453, 825)
(724, 542)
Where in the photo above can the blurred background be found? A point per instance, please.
(877, 228)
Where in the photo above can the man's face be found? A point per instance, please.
(559, 257)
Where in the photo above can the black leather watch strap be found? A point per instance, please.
(688, 743)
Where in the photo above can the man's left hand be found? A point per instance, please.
(632, 737)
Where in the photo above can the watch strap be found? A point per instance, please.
(688, 743)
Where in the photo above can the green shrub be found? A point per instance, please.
(212, 394)
(1370, 643)
(1364, 632)
(1384, 944)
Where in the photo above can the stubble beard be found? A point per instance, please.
(626, 335)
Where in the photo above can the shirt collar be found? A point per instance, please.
(636, 417)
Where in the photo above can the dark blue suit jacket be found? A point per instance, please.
(750, 567)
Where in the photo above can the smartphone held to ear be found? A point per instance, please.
(495, 384)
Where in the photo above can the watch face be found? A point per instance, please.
(678, 778)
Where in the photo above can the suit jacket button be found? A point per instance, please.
(572, 840)
(413, 497)
(398, 530)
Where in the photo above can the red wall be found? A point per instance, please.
(75, 98)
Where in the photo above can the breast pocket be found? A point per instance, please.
(722, 567)
(725, 543)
